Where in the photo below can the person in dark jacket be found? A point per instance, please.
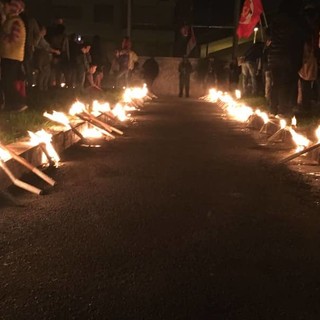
(185, 69)
(150, 70)
(285, 57)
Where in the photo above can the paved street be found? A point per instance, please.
(182, 218)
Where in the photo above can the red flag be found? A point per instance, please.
(249, 18)
(191, 43)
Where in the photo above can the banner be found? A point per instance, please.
(249, 18)
(191, 43)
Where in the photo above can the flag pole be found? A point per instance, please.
(237, 6)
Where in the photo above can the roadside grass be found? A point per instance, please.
(14, 126)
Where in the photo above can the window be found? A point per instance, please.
(103, 13)
(68, 12)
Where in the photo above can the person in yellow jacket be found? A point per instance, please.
(12, 44)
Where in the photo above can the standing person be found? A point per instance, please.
(127, 59)
(249, 69)
(83, 61)
(32, 39)
(211, 76)
(285, 57)
(42, 60)
(13, 37)
(58, 39)
(309, 71)
(234, 74)
(185, 69)
(150, 70)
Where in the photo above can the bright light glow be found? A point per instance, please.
(255, 29)
(76, 108)
(59, 117)
(239, 112)
(4, 155)
(300, 141)
(294, 121)
(92, 133)
(283, 123)
(45, 138)
(318, 133)
(238, 94)
(98, 108)
(262, 115)
(119, 112)
(62, 85)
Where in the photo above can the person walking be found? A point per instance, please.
(185, 70)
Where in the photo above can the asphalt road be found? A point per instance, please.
(182, 218)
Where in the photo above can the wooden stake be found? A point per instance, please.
(298, 154)
(29, 166)
(17, 182)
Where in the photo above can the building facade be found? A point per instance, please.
(152, 21)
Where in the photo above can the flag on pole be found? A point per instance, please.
(192, 42)
(249, 18)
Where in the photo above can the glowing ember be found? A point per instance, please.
(92, 133)
(238, 94)
(59, 117)
(76, 108)
(294, 122)
(301, 141)
(45, 138)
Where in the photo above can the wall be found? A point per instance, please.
(167, 82)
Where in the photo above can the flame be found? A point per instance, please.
(46, 138)
(283, 123)
(301, 141)
(262, 115)
(294, 122)
(119, 112)
(238, 94)
(239, 112)
(4, 155)
(137, 93)
(318, 133)
(59, 117)
(92, 133)
(98, 107)
(76, 108)
(213, 95)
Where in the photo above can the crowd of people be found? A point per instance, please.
(285, 66)
(46, 57)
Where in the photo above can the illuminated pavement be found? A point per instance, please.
(182, 218)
